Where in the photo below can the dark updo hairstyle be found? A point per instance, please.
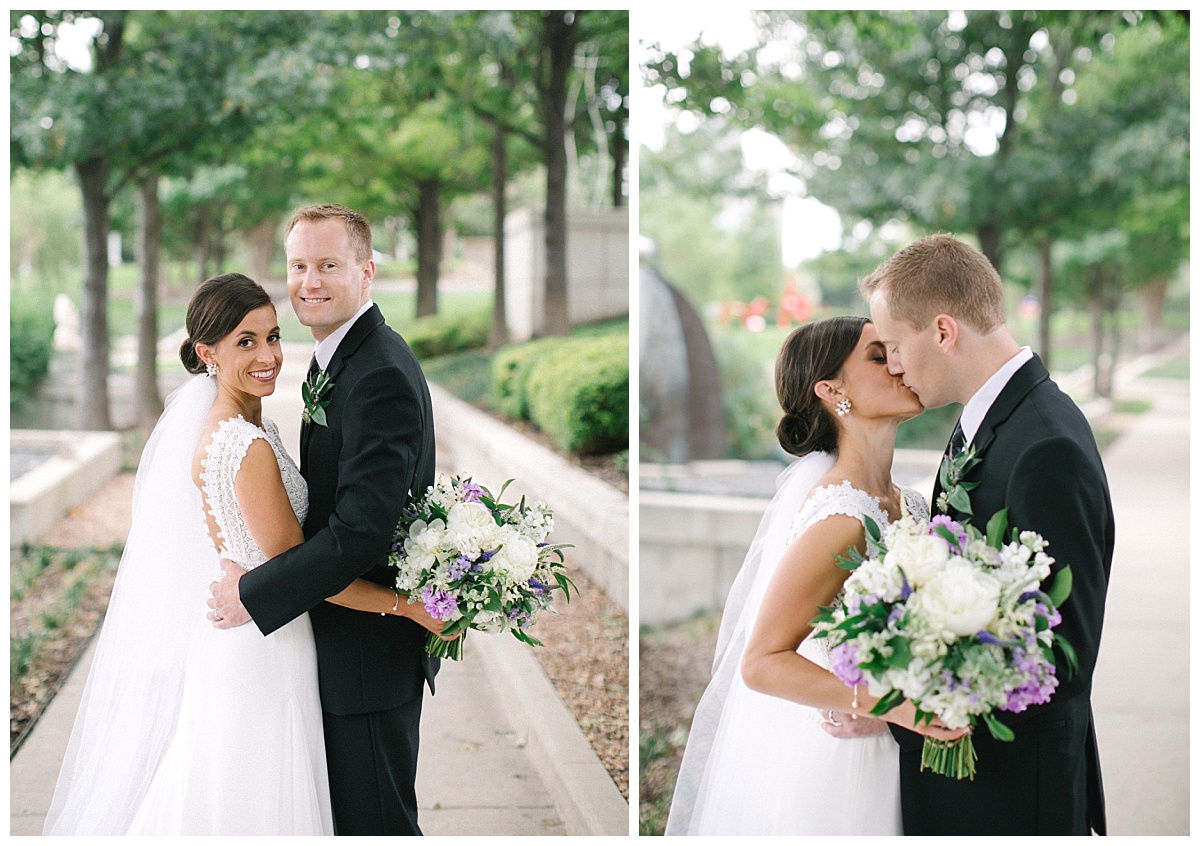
(216, 309)
(812, 353)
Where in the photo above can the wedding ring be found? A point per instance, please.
(831, 720)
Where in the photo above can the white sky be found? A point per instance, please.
(809, 227)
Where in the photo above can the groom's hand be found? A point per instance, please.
(844, 725)
(226, 601)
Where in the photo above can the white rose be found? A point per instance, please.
(492, 622)
(962, 600)
(426, 537)
(921, 557)
(471, 520)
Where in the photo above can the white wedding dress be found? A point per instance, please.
(759, 764)
(220, 730)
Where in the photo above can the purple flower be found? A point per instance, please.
(897, 612)
(845, 665)
(439, 604)
(538, 587)
(471, 492)
(458, 567)
(955, 528)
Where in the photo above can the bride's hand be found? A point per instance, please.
(844, 725)
(905, 716)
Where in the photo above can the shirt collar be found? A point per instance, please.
(978, 406)
(326, 348)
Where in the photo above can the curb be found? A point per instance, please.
(579, 785)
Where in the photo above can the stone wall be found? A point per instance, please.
(589, 513)
(597, 268)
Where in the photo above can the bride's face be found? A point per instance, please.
(250, 356)
(871, 389)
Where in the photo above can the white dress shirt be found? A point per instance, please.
(326, 348)
(978, 406)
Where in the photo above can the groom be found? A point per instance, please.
(938, 307)
(373, 451)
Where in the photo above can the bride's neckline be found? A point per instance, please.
(848, 485)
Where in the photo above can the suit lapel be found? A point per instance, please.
(1031, 374)
(359, 332)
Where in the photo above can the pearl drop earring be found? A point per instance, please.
(212, 369)
(843, 407)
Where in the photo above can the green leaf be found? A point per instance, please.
(1061, 588)
(846, 563)
(960, 501)
(901, 652)
(946, 535)
(318, 414)
(888, 702)
(998, 729)
(996, 527)
(1068, 652)
(872, 529)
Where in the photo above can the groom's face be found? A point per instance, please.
(326, 281)
(913, 354)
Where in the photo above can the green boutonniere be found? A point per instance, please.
(313, 389)
(954, 489)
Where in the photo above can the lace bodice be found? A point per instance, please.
(844, 499)
(223, 459)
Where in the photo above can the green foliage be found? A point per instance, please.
(440, 334)
(510, 374)
(746, 361)
(579, 395)
(31, 344)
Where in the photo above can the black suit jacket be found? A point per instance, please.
(1039, 460)
(376, 451)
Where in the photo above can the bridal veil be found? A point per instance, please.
(131, 700)
(737, 621)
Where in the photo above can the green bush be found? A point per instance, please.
(579, 394)
(510, 373)
(30, 346)
(441, 334)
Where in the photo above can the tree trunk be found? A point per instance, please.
(1096, 302)
(557, 51)
(990, 234)
(262, 249)
(1045, 281)
(499, 336)
(147, 399)
(620, 155)
(429, 245)
(1154, 301)
(202, 243)
(93, 385)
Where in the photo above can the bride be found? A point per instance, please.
(185, 728)
(761, 758)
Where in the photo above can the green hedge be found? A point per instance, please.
(30, 346)
(578, 394)
(441, 334)
(510, 374)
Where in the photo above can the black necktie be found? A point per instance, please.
(957, 439)
(313, 369)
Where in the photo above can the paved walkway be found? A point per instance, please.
(500, 753)
(1141, 686)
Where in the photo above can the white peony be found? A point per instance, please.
(921, 557)
(962, 600)
(471, 520)
(516, 559)
(492, 622)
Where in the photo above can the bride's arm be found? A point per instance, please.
(265, 507)
(807, 576)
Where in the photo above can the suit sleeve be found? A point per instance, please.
(381, 432)
(1058, 490)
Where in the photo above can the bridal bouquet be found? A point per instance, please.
(476, 563)
(952, 619)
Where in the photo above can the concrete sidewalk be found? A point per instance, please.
(1141, 685)
(500, 752)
